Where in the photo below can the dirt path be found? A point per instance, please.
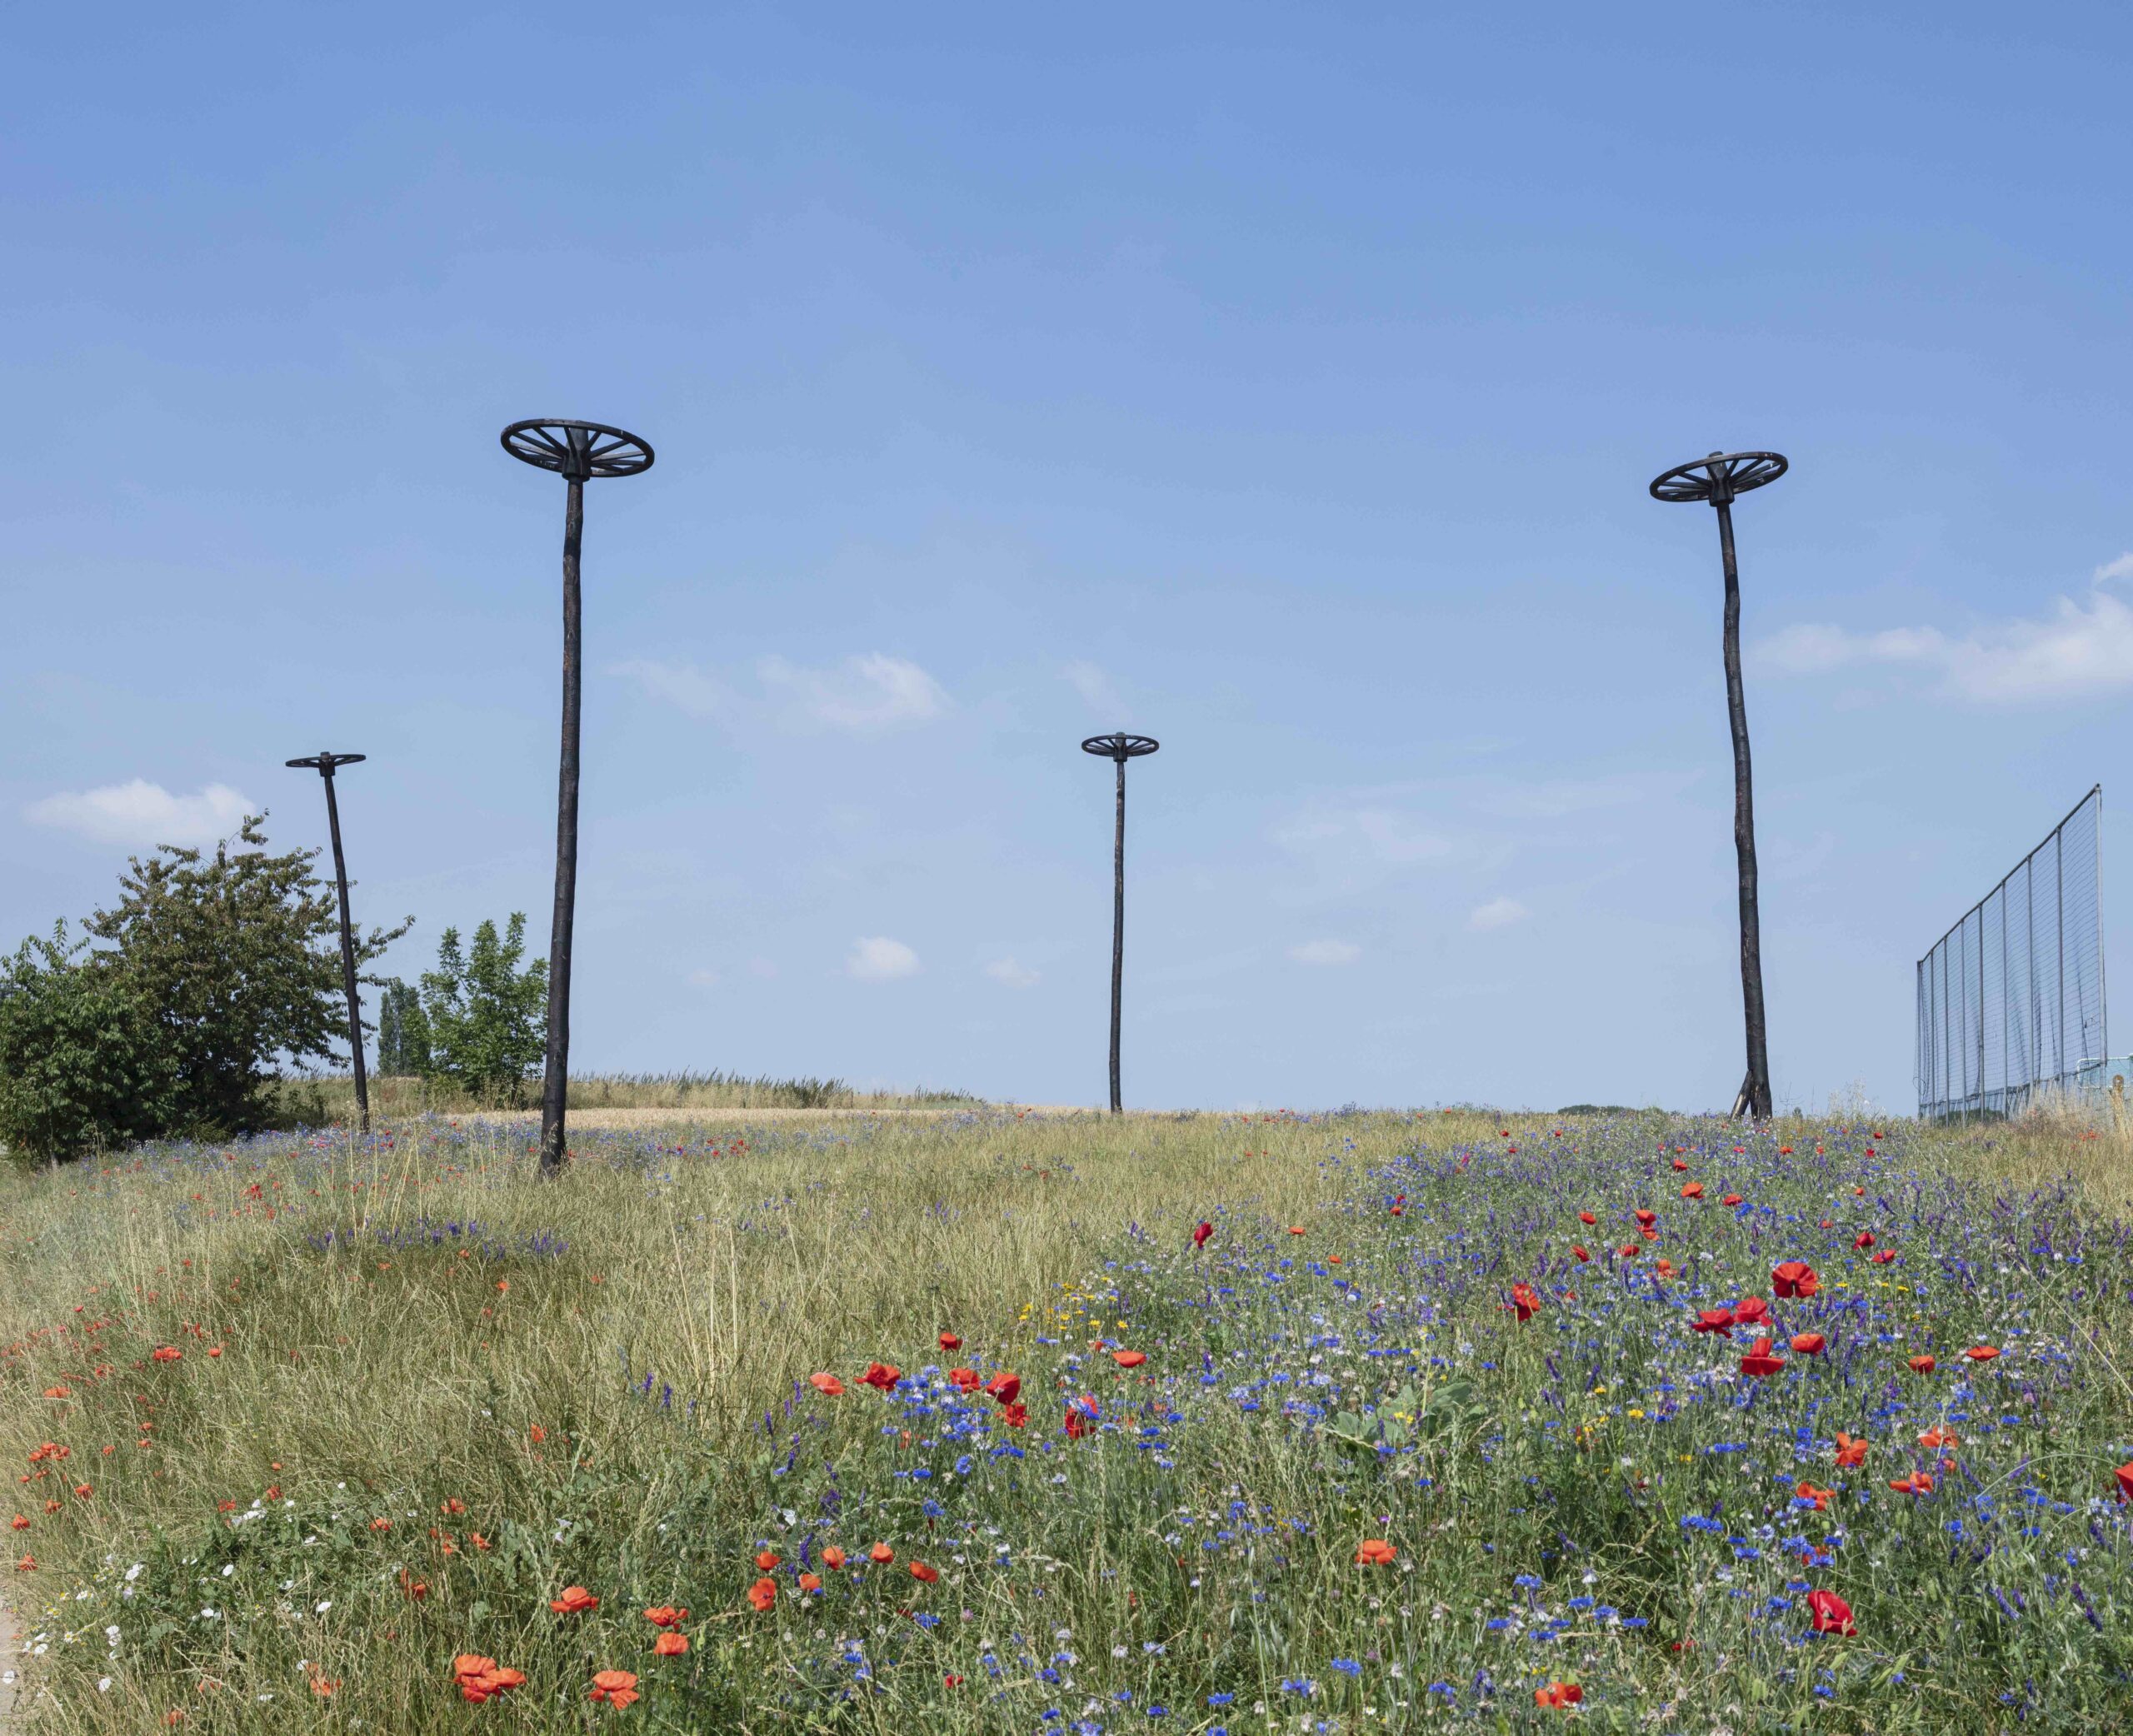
(710, 1117)
(14, 1690)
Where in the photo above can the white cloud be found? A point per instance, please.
(1327, 952)
(869, 692)
(1096, 692)
(142, 815)
(682, 686)
(881, 960)
(1384, 833)
(2083, 648)
(1015, 975)
(706, 979)
(1497, 913)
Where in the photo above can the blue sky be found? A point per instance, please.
(1281, 382)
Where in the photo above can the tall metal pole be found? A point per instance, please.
(325, 764)
(1120, 747)
(555, 1064)
(578, 451)
(1757, 1088)
(1720, 479)
(1117, 935)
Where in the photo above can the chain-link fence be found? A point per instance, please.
(2010, 999)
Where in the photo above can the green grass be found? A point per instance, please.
(607, 1383)
(318, 1100)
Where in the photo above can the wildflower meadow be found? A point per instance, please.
(990, 1421)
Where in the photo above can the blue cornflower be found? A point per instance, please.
(1347, 1666)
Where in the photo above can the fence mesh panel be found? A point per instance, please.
(2010, 999)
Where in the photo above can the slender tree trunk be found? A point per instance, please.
(348, 961)
(555, 1076)
(1117, 935)
(1756, 1090)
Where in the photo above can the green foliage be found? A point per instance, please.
(486, 1016)
(404, 1033)
(236, 958)
(81, 1068)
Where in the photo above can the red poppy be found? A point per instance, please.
(1850, 1452)
(1692, 1190)
(1586, 1217)
(669, 1645)
(1129, 1358)
(1375, 1552)
(1882, 1257)
(1580, 1253)
(1922, 1364)
(964, 1379)
(1017, 1416)
(1714, 1319)
(1628, 1251)
(1731, 1199)
(1820, 1497)
(833, 1557)
(1795, 1278)
(666, 1615)
(880, 1554)
(765, 1559)
(949, 1341)
(1940, 1436)
(1830, 1613)
(810, 1582)
(1201, 1234)
(1759, 1362)
(1865, 1239)
(618, 1687)
(576, 1600)
(1559, 1695)
(1077, 1422)
(1916, 1484)
(1679, 1164)
(1004, 1387)
(2125, 1475)
(1809, 1343)
(828, 1384)
(924, 1574)
(1981, 1353)
(1525, 1301)
(1646, 1216)
(168, 1353)
(1748, 1310)
(884, 1375)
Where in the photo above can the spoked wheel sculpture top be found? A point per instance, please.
(1122, 747)
(579, 452)
(1720, 478)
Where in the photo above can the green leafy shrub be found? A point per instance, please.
(486, 1017)
(236, 958)
(403, 1032)
(81, 1065)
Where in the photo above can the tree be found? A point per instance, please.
(486, 1015)
(236, 958)
(81, 1069)
(403, 1032)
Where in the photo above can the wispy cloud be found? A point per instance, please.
(1496, 913)
(870, 692)
(2082, 648)
(1097, 693)
(140, 815)
(682, 685)
(1014, 976)
(1385, 835)
(1326, 952)
(878, 959)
